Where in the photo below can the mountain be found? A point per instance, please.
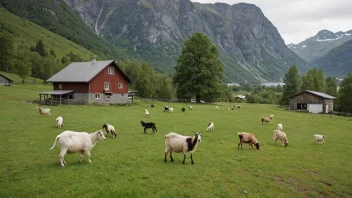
(22, 31)
(338, 61)
(59, 18)
(319, 45)
(154, 31)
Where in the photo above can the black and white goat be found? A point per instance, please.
(179, 143)
(109, 128)
(166, 109)
(148, 125)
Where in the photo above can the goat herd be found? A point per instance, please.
(82, 142)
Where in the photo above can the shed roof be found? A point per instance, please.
(9, 79)
(82, 71)
(323, 95)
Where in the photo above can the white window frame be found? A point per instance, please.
(111, 70)
(106, 85)
(97, 96)
(120, 85)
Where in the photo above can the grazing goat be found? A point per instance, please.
(190, 107)
(271, 116)
(210, 126)
(228, 108)
(59, 122)
(152, 106)
(217, 108)
(148, 125)
(179, 143)
(247, 138)
(319, 138)
(280, 135)
(265, 119)
(77, 142)
(238, 106)
(147, 113)
(171, 109)
(279, 127)
(183, 109)
(43, 111)
(109, 128)
(166, 109)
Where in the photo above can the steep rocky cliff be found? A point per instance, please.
(154, 31)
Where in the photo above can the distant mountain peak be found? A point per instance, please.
(317, 46)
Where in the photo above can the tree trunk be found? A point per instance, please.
(197, 98)
(22, 80)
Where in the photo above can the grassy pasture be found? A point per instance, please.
(133, 164)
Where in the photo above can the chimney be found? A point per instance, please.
(94, 60)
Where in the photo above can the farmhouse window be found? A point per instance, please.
(301, 106)
(120, 85)
(106, 86)
(60, 86)
(110, 70)
(97, 96)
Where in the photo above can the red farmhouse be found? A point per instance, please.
(95, 81)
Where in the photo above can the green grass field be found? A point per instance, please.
(133, 164)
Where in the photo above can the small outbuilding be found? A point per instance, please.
(5, 80)
(312, 101)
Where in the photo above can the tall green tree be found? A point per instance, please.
(23, 68)
(163, 87)
(40, 48)
(331, 86)
(292, 84)
(345, 94)
(319, 81)
(198, 71)
(6, 50)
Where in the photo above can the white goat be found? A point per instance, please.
(217, 108)
(271, 116)
(171, 109)
(319, 138)
(179, 143)
(280, 135)
(59, 122)
(279, 127)
(147, 113)
(210, 126)
(109, 128)
(247, 138)
(77, 142)
(43, 111)
(190, 107)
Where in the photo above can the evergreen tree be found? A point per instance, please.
(331, 86)
(6, 50)
(319, 81)
(40, 48)
(198, 71)
(345, 94)
(292, 85)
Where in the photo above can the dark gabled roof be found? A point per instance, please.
(6, 78)
(83, 71)
(323, 95)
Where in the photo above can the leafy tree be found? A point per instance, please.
(6, 50)
(292, 85)
(345, 94)
(198, 71)
(314, 80)
(23, 69)
(52, 52)
(319, 81)
(331, 86)
(163, 87)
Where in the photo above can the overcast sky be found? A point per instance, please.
(297, 20)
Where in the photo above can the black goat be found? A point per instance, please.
(152, 106)
(183, 109)
(148, 125)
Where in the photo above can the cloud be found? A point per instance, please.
(300, 19)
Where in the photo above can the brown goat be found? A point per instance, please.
(249, 139)
(265, 119)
